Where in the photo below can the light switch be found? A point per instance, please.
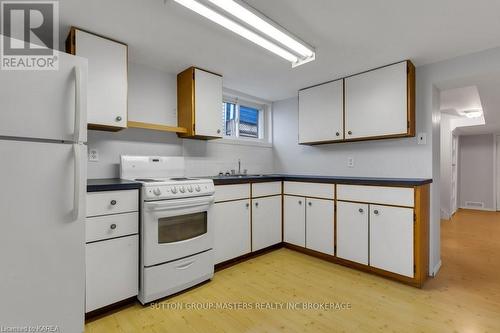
(422, 138)
(350, 162)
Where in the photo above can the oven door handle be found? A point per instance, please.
(179, 203)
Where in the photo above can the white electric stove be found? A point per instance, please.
(176, 225)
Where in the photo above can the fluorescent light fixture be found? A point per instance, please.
(237, 28)
(473, 113)
(263, 26)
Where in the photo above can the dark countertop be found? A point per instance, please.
(111, 184)
(223, 180)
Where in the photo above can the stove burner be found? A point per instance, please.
(181, 179)
(147, 180)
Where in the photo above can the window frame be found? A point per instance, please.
(264, 122)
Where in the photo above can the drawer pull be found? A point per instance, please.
(247, 205)
(256, 204)
(376, 212)
(300, 202)
(361, 210)
(185, 265)
(310, 203)
(113, 226)
(113, 202)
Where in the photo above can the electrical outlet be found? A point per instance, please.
(350, 162)
(93, 155)
(422, 138)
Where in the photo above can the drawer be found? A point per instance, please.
(232, 192)
(112, 202)
(266, 189)
(170, 278)
(316, 190)
(398, 196)
(101, 227)
(112, 271)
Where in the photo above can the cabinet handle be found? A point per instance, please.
(256, 204)
(361, 210)
(113, 226)
(300, 202)
(349, 132)
(376, 212)
(337, 134)
(118, 118)
(218, 131)
(247, 205)
(310, 203)
(113, 202)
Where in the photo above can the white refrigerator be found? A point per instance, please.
(42, 196)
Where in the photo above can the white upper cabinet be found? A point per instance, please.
(376, 103)
(321, 114)
(107, 78)
(199, 103)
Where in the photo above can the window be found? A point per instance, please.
(243, 120)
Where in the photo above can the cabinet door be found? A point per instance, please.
(107, 79)
(352, 231)
(294, 220)
(320, 231)
(321, 114)
(208, 104)
(376, 103)
(112, 271)
(266, 222)
(231, 229)
(391, 239)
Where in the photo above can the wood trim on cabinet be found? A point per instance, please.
(156, 127)
(410, 97)
(421, 233)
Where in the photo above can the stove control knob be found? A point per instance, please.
(182, 189)
(197, 188)
(157, 191)
(174, 190)
(190, 188)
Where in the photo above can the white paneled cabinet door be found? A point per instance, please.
(321, 113)
(391, 239)
(231, 229)
(112, 271)
(294, 221)
(376, 102)
(352, 231)
(266, 222)
(320, 231)
(208, 104)
(107, 79)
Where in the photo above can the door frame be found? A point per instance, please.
(454, 173)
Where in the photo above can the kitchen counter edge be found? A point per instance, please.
(111, 184)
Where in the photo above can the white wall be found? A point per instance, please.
(152, 98)
(446, 161)
(476, 171)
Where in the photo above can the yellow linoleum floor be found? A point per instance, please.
(248, 297)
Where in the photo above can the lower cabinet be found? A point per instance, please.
(266, 222)
(112, 271)
(231, 229)
(320, 227)
(391, 239)
(352, 231)
(294, 212)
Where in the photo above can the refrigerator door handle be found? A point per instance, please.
(77, 176)
(80, 100)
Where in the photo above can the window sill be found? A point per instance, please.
(242, 142)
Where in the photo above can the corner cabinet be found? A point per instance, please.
(107, 78)
(376, 104)
(321, 113)
(199, 104)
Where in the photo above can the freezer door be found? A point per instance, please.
(42, 240)
(49, 104)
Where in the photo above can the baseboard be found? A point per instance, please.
(436, 268)
(481, 209)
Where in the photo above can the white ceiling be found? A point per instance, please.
(349, 36)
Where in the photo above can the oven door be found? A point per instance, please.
(174, 229)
